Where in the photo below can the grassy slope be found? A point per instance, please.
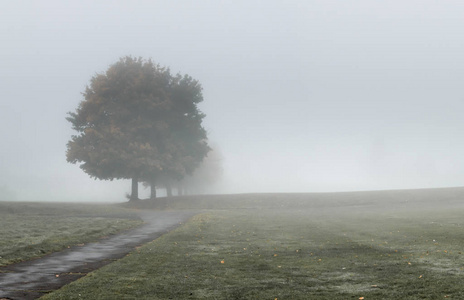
(328, 251)
(379, 199)
(29, 230)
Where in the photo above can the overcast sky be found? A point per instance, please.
(300, 96)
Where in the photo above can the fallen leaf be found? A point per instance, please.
(222, 261)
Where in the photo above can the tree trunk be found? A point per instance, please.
(168, 190)
(152, 189)
(135, 190)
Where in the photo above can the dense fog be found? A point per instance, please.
(299, 96)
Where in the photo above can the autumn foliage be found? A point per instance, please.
(138, 121)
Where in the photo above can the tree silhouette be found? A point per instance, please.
(137, 121)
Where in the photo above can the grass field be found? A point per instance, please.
(29, 230)
(344, 246)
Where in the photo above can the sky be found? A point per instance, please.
(299, 96)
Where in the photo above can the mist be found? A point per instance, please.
(300, 96)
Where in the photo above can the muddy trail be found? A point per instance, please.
(33, 279)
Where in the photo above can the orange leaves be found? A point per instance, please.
(133, 123)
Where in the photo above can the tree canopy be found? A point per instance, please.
(138, 121)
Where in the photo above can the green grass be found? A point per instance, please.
(338, 253)
(29, 230)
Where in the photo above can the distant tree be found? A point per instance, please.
(206, 174)
(188, 137)
(137, 122)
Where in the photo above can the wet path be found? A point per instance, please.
(32, 279)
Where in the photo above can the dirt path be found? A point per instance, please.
(32, 279)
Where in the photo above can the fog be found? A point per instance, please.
(300, 96)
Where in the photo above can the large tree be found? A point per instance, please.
(137, 121)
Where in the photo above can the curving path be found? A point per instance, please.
(32, 279)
